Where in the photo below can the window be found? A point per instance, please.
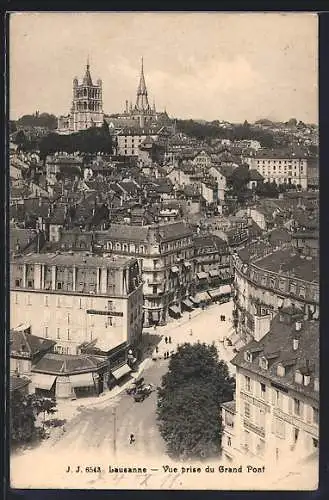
(17, 283)
(68, 334)
(293, 287)
(263, 391)
(315, 443)
(315, 415)
(296, 434)
(298, 377)
(277, 398)
(247, 383)
(16, 298)
(297, 407)
(302, 291)
(28, 300)
(279, 428)
(68, 319)
(263, 363)
(248, 356)
(58, 333)
(29, 283)
(59, 286)
(110, 305)
(46, 332)
(247, 411)
(316, 384)
(46, 300)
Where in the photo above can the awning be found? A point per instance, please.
(187, 303)
(174, 309)
(43, 381)
(195, 300)
(82, 380)
(174, 269)
(217, 292)
(202, 276)
(187, 264)
(202, 297)
(214, 273)
(225, 289)
(121, 372)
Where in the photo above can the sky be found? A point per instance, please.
(211, 66)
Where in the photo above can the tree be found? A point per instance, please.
(22, 417)
(189, 398)
(24, 408)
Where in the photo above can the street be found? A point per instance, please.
(98, 430)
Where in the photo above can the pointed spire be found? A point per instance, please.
(142, 103)
(87, 78)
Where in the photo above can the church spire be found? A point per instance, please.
(87, 78)
(142, 103)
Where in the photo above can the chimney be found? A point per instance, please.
(295, 343)
(298, 326)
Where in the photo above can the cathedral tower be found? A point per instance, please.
(87, 104)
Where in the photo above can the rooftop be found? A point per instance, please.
(21, 342)
(73, 259)
(279, 341)
(290, 263)
(59, 364)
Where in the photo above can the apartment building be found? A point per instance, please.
(275, 414)
(280, 167)
(166, 255)
(267, 279)
(76, 299)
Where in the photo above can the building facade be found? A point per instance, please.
(275, 415)
(267, 279)
(165, 252)
(87, 106)
(280, 168)
(73, 299)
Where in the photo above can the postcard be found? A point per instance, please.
(164, 250)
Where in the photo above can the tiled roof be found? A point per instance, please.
(22, 237)
(279, 340)
(71, 259)
(254, 175)
(279, 235)
(17, 383)
(27, 343)
(59, 364)
(291, 263)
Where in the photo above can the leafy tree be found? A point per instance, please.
(22, 417)
(268, 190)
(24, 408)
(189, 398)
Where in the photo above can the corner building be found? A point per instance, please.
(76, 299)
(275, 415)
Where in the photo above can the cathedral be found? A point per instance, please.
(142, 112)
(87, 106)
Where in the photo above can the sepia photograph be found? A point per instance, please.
(163, 172)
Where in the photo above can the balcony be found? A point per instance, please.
(254, 428)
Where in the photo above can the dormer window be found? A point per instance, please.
(263, 363)
(248, 356)
(298, 377)
(281, 371)
(307, 379)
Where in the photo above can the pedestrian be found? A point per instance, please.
(166, 340)
(189, 316)
(132, 439)
(165, 355)
(223, 317)
(169, 340)
(156, 349)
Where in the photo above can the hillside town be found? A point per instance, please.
(134, 233)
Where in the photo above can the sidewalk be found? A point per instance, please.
(69, 408)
